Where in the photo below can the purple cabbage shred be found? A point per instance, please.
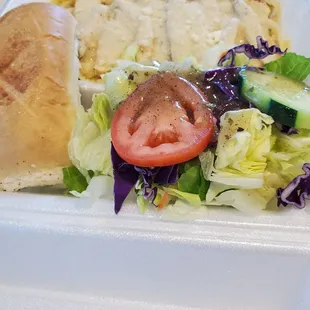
(261, 51)
(127, 175)
(296, 192)
(222, 88)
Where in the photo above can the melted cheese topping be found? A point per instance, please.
(146, 30)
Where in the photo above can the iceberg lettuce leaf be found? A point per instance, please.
(101, 112)
(246, 200)
(285, 160)
(243, 144)
(124, 79)
(90, 143)
(98, 187)
(193, 199)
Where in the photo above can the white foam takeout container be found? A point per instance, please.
(58, 253)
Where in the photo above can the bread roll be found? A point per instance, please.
(38, 94)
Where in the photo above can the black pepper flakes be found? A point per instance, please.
(240, 129)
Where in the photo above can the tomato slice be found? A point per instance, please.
(165, 121)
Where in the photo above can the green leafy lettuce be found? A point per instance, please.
(191, 187)
(192, 179)
(193, 199)
(294, 66)
(74, 179)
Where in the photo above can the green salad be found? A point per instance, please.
(172, 133)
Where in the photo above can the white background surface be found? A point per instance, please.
(58, 253)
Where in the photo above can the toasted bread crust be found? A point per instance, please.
(38, 89)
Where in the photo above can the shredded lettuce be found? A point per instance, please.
(294, 66)
(98, 187)
(101, 112)
(142, 203)
(286, 158)
(207, 163)
(189, 64)
(124, 79)
(138, 73)
(282, 157)
(90, 144)
(289, 153)
(243, 143)
(117, 86)
(193, 199)
(181, 210)
(244, 200)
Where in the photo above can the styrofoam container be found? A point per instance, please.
(62, 253)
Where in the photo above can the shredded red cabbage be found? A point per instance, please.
(158, 175)
(297, 192)
(125, 178)
(127, 175)
(222, 88)
(261, 51)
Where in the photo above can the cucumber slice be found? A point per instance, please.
(286, 100)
